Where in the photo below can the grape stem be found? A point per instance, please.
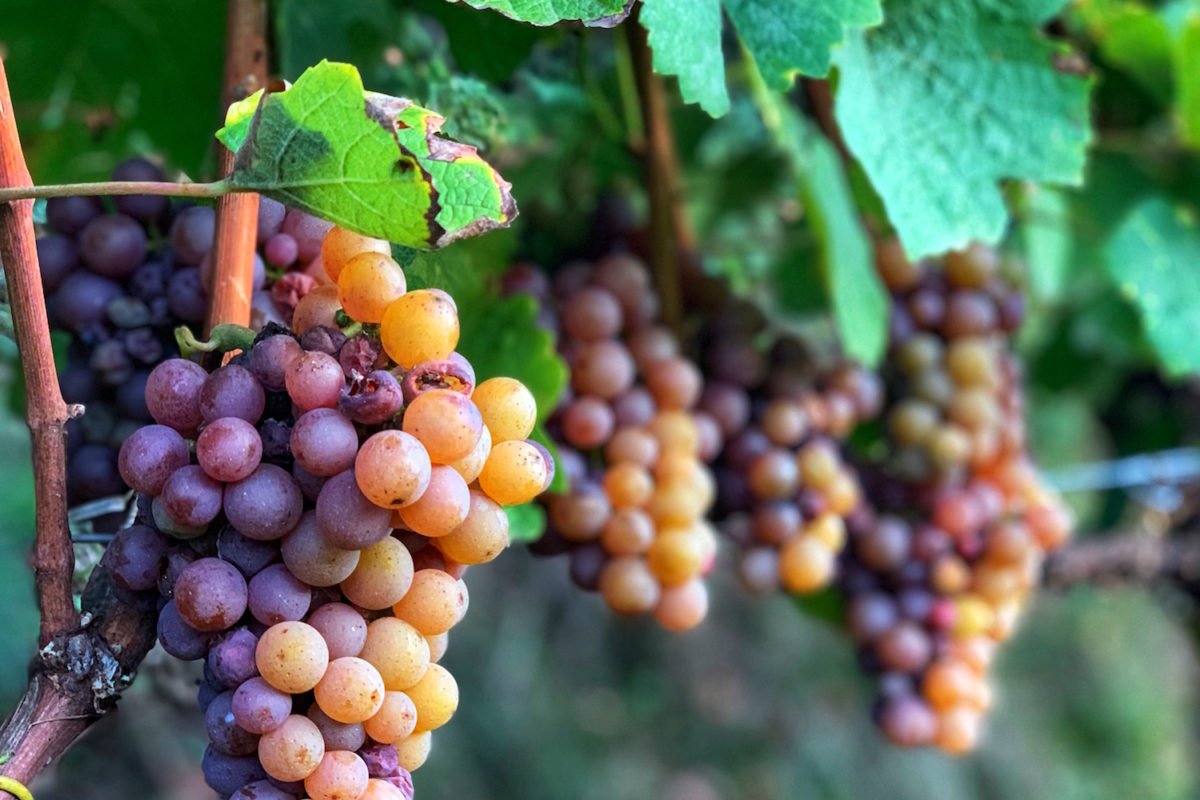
(237, 212)
(46, 412)
(669, 232)
(1126, 559)
(11, 194)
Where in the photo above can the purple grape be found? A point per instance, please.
(223, 731)
(113, 245)
(130, 399)
(92, 473)
(134, 557)
(144, 207)
(229, 449)
(373, 399)
(308, 231)
(232, 391)
(381, 759)
(177, 560)
(309, 484)
(150, 281)
(527, 279)
(358, 355)
(402, 780)
(192, 234)
(70, 215)
(186, 295)
(173, 394)
(226, 774)
(347, 518)
(210, 595)
(277, 596)
(231, 660)
(337, 735)
(270, 358)
(82, 300)
(250, 556)
(276, 438)
(57, 258)
(323, 339)
(191, 498)
(111, 363)
(205, 694)
(77, 383)
(177, 637)
(281, 250)
(261, 790)
(324, 442)
(144, 346)
(150, 456)
(265, 505)
(270, 218)
(259, 707)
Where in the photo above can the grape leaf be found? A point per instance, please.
(790, 36)
(785, 37)
(685, 38)
(1152, 257)
(526, 522)
(1132, 38)
(502, 337)
(1184, 23)
(1045, 232)
(369, 162)
(597, 13)
(947, 98)
(859, 301)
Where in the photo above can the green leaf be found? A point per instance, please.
(949, 97)
(1046, 240)
(99, 81)
(1184, 20)
(1132, 38)
(1153, 258)
(598, 13)
(827, 605)
(488, 45)
(859, 300)
(526, 522)
(685, 37)
(369, 162)
(790, 36)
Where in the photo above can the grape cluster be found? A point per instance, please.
(938, 574)
(633, 521)
(308, 511)
(120, 277)
(115, 284)
(784, 487)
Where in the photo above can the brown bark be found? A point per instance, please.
(670, 236)
(45, 411)
(237, 212)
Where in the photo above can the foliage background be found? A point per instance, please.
(1097, 694)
